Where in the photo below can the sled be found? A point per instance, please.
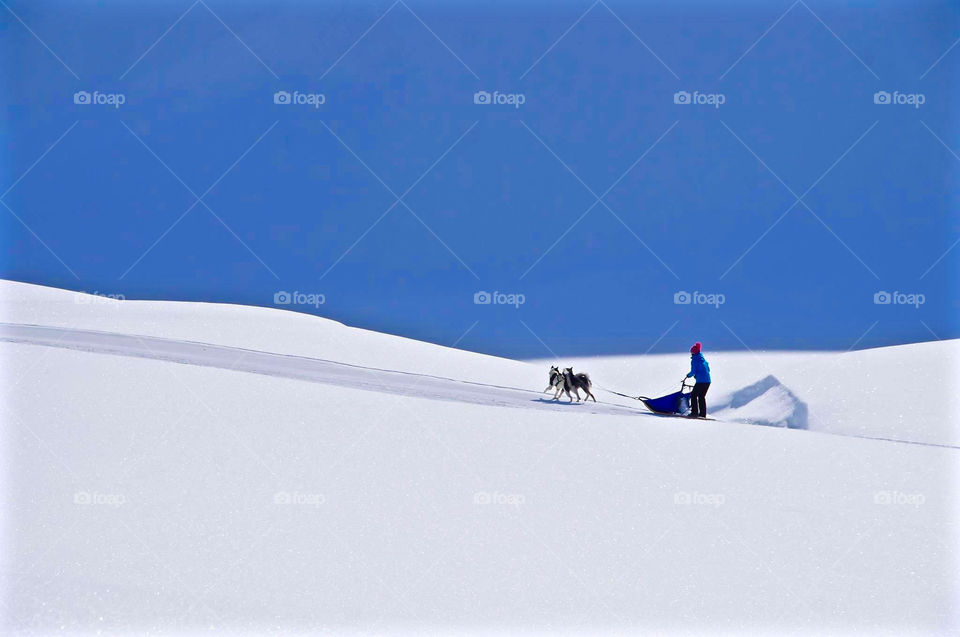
(675, 404)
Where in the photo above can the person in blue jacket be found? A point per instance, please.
(700, 370)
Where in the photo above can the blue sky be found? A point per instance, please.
(597, 201)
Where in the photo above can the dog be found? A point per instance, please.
(576, 382)
(555, 382)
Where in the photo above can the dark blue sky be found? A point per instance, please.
(495, 197)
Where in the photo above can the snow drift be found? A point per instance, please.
(765, 402)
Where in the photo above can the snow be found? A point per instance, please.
(255, 328)
(766, 402)
(299, 367)
(173, 467)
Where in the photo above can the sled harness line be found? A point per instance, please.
(676, 403)
(683, 385)
(618, 393)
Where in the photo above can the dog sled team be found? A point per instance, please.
(566, 381)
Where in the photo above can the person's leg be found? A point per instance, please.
(695, 401)
(702, 411)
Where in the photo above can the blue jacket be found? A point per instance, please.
(699, 368)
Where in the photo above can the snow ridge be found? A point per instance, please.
(766, 402)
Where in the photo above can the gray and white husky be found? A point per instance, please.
(555, 382)
(576, 382)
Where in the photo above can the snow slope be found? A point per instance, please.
(151, 485)
(895, 392)
(289, 366)
(253, 328)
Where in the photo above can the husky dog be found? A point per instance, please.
(575, 382)
(556, 382)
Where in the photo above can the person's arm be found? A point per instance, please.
(691, 367)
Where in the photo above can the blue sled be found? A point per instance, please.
(675, 404)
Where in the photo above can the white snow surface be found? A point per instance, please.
(187, 467)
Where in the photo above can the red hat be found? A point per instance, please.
(696, 348)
